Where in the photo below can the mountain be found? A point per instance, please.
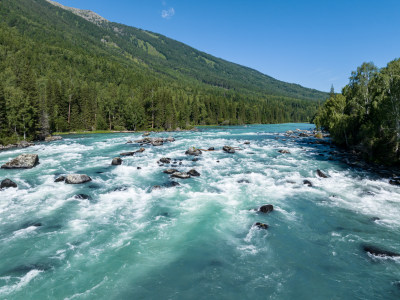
(71, 69)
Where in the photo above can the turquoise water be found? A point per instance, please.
(196, 241)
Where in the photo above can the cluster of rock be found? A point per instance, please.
(154, 141)
(22, 144)
(267, 208)
(132, 152)
(182, 175)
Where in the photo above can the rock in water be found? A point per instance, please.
(228, 149)
(60, 179)
(379, 252)
(307, 182)
(284, 151)
(247, 143)
(52, 138)
(193, 151)
(116, 161)
(211, 149)
(193, 172)
(170, 139)
(23, 161)
(165, 160)
(266, 208)
(321, 174)
(170, 171)
(181, 175)
(261, 225)
(7, 183)
(77, 178)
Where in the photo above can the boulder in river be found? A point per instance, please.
(128, 153)
(379, 252)
(60, 179)
(170, 139)
(321, 174)
(165, 160)
(261, 225)
(181, 175)
(211, 149)
(246, 143)
(307, 182)
(266, 208)
(228, 149)
(193, 151)
(170, 171)
(284, 151)
(77, 178)
(394, 181)
(116, 161)
(7, 183)
(23, 161)
(193, 172)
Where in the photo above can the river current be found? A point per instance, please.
(197, 240)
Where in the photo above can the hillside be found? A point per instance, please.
(72, 69)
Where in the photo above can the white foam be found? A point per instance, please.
(23, 281)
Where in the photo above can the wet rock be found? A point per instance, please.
(193, 172)
(139, 168)
(157, 143)
(180, 163)
(261, 225)
(156, 187)
(181, 175)
(165, 160)
(77, 178)
(116, 161)
(140, 150)
(211, 149)
(247, 143)
(284, 151)
(243, 181)
(172, 184)
(129, 142)
(373, 219)
(7, 183)
(303, 134)
(60, 179)
(307, 182)
(266, 208)
(321, 174)
(132, 153)
(217, 161)
(82, 197)
(24, 144)
(146, 134)
(193, 151)
(394, 181)
(53, 138)
(170, 171)
(228, 149)
(170, 139)
(379, 252)
(23, 161)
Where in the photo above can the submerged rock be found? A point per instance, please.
(82, 197)
(7, 183)
(193, 151)
(243, 181)
(307, 182)
(261, 225)
(321, 174)
(181, 175)
(246, 143)
(211, 149)
(379, 252)
(77, 178)
(193, 172)
(228, 149)
(266, 208)
(60, 179)
(116, 161)
(284, 151)
(23, 161)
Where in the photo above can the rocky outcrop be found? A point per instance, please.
(77, 178)
(23, 161)
(193, 172)
(116, 161)
(228, 149)
(321, 174)
(266, 208)
(53, 138)
(193, 151)
(7, 183)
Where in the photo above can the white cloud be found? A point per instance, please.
(168, 13)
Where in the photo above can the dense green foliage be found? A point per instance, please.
(60, 72)
(366, 115)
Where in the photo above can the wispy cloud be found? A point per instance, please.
(168, 13)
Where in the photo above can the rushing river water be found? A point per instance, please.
(196, 240)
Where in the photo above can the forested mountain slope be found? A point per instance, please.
(67, 70)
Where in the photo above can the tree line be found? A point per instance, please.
(366, 115)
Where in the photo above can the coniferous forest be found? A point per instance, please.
(60, 72)
(366, 115)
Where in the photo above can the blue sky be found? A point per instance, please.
(314, 43)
